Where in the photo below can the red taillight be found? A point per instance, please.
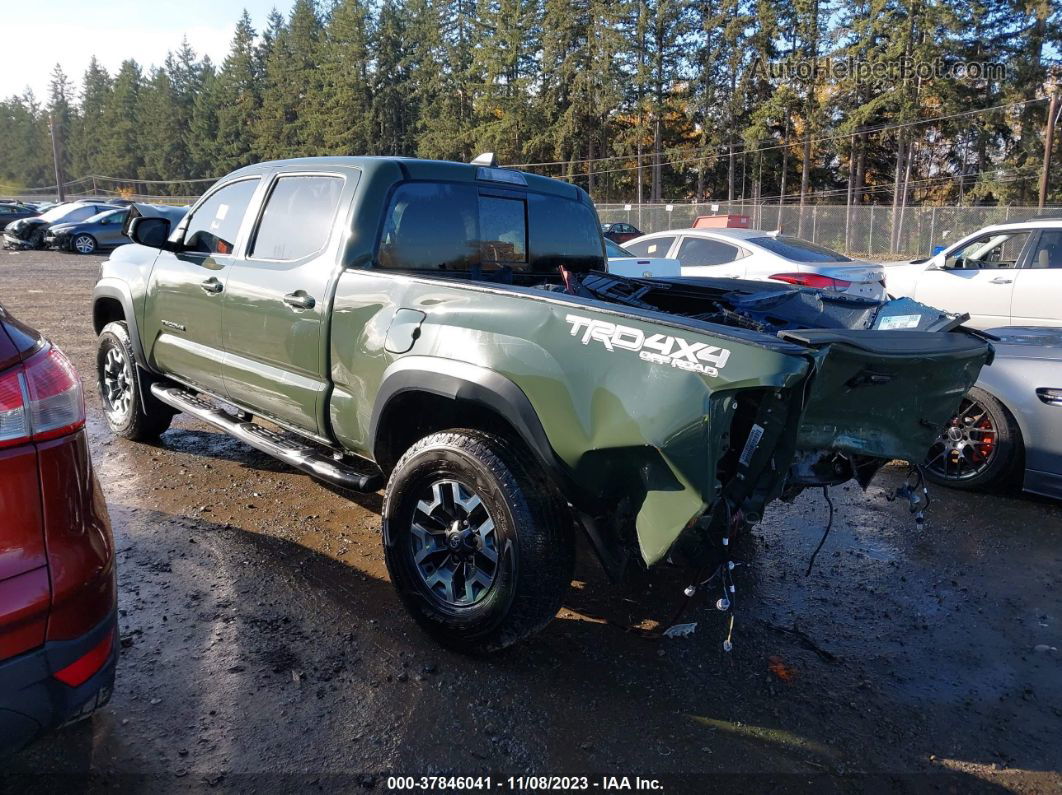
(40, 400)
(82, 669)
(811, 280)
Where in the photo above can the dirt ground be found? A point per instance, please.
(262, 643)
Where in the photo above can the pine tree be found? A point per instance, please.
(393, 112)
(345, 104)
(204, 147)
(120, 154)
(62, 117)
(238, 93)
(86, 144)
(161, 145)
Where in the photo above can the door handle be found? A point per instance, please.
(300, 300)
(212, 286)
(1001, 280)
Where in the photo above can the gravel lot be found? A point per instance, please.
(260, 636)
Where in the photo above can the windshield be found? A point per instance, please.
(797, 250)
(57, 212)
(615, 250)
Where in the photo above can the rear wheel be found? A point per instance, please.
(980, 447)
(479, 549)
(132, 412)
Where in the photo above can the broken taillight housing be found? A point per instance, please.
(811, 280)
(41, 399)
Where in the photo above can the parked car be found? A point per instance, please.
(1002, 275)
(57, 577)
(15, 211)
(763, 256)
(446, 329)
(30, 232)
(619, 232)
(624, 263)
(104, 230)
(1010, 424)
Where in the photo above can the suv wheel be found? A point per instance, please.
(119, 385)
(479, 549)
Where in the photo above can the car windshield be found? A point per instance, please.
(797, 250)
(615, 250)
(58, 212)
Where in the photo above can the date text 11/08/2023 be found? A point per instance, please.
(524, 783)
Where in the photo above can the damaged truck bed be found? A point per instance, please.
(449, 329)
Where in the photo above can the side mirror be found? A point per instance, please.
(151, 232)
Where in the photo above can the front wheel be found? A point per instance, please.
(84, 244)
(979, 448)
(131, 410)
(478, 547)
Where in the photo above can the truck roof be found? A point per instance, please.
(419, 169)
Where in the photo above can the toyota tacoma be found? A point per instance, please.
(448, 330)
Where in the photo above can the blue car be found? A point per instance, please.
(104, 230)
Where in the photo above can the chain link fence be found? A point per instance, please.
(864, 231)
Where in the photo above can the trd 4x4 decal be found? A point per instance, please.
(657, 348)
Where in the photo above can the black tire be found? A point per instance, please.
(87, 244)
(136, 414)
(532, 538)
(996, 465)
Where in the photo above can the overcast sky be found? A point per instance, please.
(37, 35)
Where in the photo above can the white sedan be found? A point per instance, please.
(1003, 275)
(761, 256)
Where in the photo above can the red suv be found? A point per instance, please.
(57, 582)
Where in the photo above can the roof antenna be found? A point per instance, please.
(486, 159)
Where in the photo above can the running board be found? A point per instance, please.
(300, 456)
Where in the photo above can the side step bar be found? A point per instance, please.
(300, 456)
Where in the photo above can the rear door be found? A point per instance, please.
(277, 296)
(979, 278)
(182, 313)
(705, 256)
(1037, 299)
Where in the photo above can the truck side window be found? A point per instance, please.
(431, 226)
(563, 232)
(213, 228)
(297, 218)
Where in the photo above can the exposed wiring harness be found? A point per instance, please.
(826, 532)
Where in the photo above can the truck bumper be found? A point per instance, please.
(33, 700)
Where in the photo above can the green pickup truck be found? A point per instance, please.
(449, 330)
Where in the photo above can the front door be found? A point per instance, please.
(977, 278)
(277, 300)
(1038, 284)
(182, 315)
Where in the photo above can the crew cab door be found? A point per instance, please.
(978, 278)
(182, 313)
(1037, 297)
(278, 297)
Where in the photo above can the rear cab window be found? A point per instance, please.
(486, 233)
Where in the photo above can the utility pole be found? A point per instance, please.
(56, 149)
(1049, 136)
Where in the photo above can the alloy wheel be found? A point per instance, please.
(454, 544)
(116, 380)
(84, 244)
(967, 445)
